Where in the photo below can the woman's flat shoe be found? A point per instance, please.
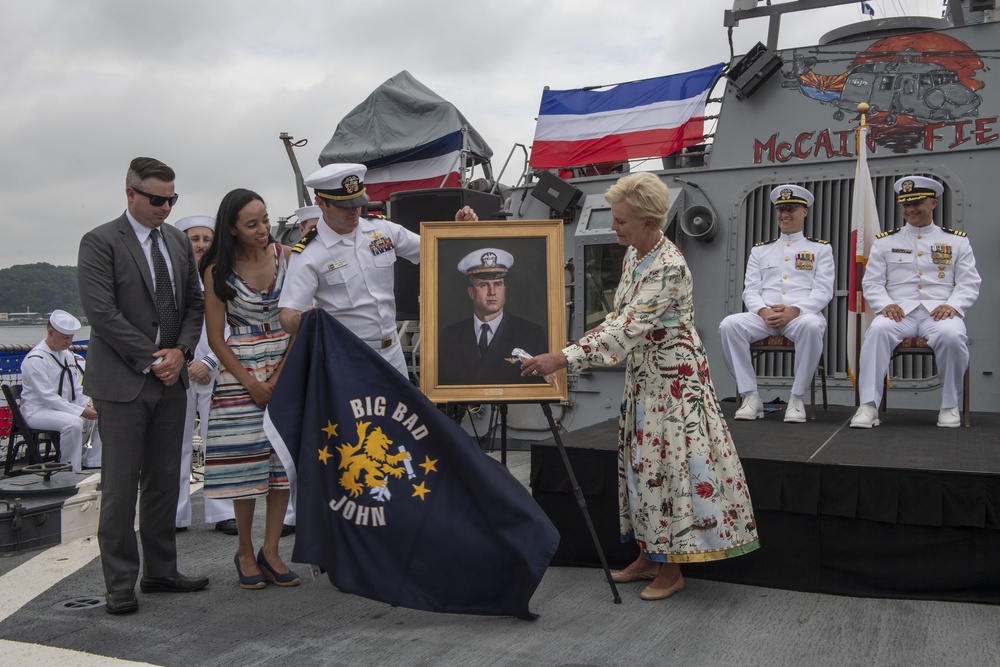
(620, 577)
(287, 579)
(650, 593)
(254, 582)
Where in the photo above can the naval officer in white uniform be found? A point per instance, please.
(52, 393)
(345, 265)
(922, 280)
(788, 283)
(202, 370)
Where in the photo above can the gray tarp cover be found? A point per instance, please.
(398, 116)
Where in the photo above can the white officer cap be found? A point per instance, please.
(342, 185)
(187, 223)
(307, 213)
(914, 188)
(486, 263)
(63, 322)
(791, 195)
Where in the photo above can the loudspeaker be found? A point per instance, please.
(412, 207)
(699, 222)
(756, 67)
(554, 191)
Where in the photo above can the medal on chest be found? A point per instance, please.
(380, 244)
(804, 261)
(941, 253)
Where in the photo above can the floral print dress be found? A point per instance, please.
(681, 489)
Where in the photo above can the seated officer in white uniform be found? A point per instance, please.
(202, 370)
(921, 280)
(345, 265)
(788, 283)
(52, 393)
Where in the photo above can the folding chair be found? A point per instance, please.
(919, 346)
(21, 435)
(780, 344)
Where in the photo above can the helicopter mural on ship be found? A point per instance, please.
(909, 81)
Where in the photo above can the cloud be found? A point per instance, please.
(208, 86)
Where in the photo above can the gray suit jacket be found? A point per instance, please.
(119, 299)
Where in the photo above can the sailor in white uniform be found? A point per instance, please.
(345, 265)
(202, 370)
(921, 279)
(52, 393)
(788, 283)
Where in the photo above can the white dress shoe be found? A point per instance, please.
(865, 417)
(795, 412)
(752, 408)
(949, 418)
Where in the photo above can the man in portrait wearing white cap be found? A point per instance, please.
(922, 280)
(345, 265)
(202, 369)
(476, 350)
(787, 284)
(52, 395)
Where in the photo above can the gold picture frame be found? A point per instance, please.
(452, 366)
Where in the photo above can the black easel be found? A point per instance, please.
(577, 492)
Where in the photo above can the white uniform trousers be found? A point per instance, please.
(948, 339)
(741, 329)
(74, 432)
(199, 401)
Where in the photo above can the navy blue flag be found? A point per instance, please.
(393, 499)
(867, 9)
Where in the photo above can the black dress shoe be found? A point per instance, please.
(121, 602)
(180, 529)
(178, 584)
(228, 527)
(287, 529)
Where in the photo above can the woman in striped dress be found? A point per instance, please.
(243, 270)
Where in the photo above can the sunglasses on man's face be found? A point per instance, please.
(157, 200)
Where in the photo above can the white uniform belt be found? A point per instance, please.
(381, 343)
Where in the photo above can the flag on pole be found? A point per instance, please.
(867, 9)
(650, 118)
(393, 499)
(864, 226)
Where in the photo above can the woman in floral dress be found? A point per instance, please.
(682, 493)
(244, 270)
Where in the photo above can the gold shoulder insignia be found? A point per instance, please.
(757, 245)
(301, 245)
(888, 233)
(819, 241)
(953, 231)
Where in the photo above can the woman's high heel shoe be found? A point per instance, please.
(254, 582)
(287, 579)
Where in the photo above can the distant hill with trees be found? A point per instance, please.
(39, 288)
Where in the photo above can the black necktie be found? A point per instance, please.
(484, 342)
(166, 310)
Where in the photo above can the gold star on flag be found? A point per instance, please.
(428, 464)
(324, 454)
(330, 430)
(420, 490)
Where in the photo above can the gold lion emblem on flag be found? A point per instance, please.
(367, 464)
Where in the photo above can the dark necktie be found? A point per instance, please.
(166, 310)
(484, 342)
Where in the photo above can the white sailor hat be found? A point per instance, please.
(307, 213)
(187, 223)
(486, 263)
(791, 195)
(914, 188)
(63, 322)
(342, 185)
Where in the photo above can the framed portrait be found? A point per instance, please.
(489, 290)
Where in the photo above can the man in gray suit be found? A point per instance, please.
(139, 288)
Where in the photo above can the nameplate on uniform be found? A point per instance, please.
(941, 253)
(339, 264)
(804, 261)
(904, 251)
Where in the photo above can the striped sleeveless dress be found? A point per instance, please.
(239, 461)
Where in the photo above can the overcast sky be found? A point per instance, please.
(208, 85)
